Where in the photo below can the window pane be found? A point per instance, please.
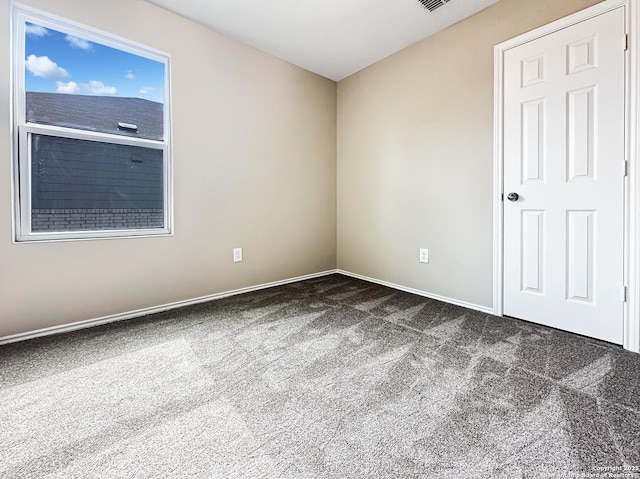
(81, 185)
(77, 83)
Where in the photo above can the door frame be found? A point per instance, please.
(631, 322)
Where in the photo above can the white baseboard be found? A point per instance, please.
(65, 328)
(444, 299)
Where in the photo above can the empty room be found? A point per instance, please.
(317, 239)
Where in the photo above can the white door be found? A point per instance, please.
(564, 154)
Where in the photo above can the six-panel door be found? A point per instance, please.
(564, 156)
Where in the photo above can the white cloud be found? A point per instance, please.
(130, 76)
(99, 88)
(45, 68)
(76, 42)
(92, 88)
(35, 30)
(69, 87)
(151, 93)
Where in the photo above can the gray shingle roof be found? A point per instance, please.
(96, 113)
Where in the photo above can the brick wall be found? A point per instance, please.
(95, 219)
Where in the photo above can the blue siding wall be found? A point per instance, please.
(69, 174)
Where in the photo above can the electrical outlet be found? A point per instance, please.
(424, 255)
(237, 255)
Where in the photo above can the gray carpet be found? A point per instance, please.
(331, 377)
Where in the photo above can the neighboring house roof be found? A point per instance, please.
(96, 113)
(82, 174)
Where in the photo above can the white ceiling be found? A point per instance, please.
(334, 38)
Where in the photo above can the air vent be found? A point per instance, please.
(127, 126)
(431, 5)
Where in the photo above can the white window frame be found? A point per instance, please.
(22, 130)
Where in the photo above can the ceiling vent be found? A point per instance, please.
(431, 5)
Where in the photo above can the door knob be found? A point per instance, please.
(513, 196)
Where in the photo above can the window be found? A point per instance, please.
(91, 133)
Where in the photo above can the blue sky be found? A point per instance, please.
(57, 62)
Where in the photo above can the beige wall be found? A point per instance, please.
(415, 136)
(254, 167)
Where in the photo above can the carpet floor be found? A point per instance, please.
(330, 377)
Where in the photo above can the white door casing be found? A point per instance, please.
(563, 134)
